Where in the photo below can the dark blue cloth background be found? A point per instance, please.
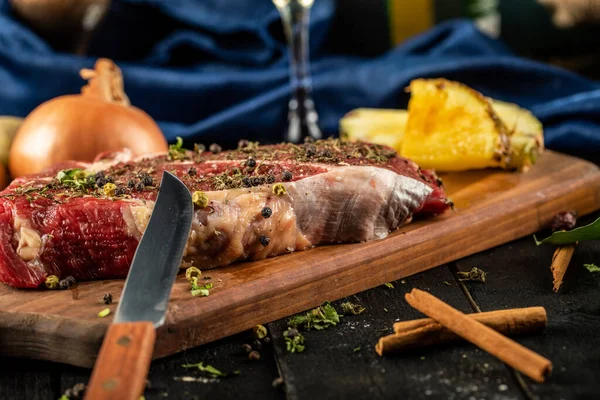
(217, 70)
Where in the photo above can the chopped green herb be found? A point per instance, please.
(422, 358)
(592, 267)
(388, 285)
(104, 313)
(294, 341)
(63, 397)
(76, 178)
(210, 370)
(176, 151)
(475, 274)
(201, 291)
(446, 283)
(351, 308)
(586, 232)
(356, 349)
(385, 309)
(319, 318)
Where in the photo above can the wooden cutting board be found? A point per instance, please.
(492, 207)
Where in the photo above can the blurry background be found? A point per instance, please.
(217, 70)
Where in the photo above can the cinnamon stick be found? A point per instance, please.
(560, 263)
(426, 332)
(512, 353)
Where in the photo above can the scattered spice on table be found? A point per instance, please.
(352, 308)
(562, 222)
(210, 370)
(474, 275)
(254, 355)
(356, 349)
(77, 392)
(104, 313)
(107, 298)
(388, 285)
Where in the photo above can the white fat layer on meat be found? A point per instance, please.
(136, 215)
(29, 241)
(380, 201)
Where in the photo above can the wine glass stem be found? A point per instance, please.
(302, 116)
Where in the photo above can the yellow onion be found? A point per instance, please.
(79, 127)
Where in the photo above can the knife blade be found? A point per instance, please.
(124, 359)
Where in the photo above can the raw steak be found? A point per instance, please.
(255, 202)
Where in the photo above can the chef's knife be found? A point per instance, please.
(124, 359)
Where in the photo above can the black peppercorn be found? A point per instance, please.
(311, 150)
(67, 282)
(147, 180)
(100, 182)
(107, 298)
(192, 171)
(270, 179)
(251, 163)
(131, 184)
(257, 344)
(266, 340)
(264, 240)
(139, 187)
(120, 190)
(291, 333)
(257, 181)
(109, 179)
(247, 348)
(246, 181)
(254, 355)
(215, 148)
(98, 175)
(326, 154)
(266, 212)
(287, 176)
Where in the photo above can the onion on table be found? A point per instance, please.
(81, 126)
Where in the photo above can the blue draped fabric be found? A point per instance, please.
(217, 70)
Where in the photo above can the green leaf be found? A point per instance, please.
(176, 151)
(587, 232)
(319, 318)
(201, 291)
(592, 267)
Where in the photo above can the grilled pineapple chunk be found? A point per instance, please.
(526, 134)
(502, 120)
(451, 127)
(381, 126)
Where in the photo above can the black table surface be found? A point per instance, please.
(340, 362)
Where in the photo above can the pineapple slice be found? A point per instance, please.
(384, 126)
(374, 125)
(526, 134)
(451, 127)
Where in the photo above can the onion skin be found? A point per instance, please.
(79, 127)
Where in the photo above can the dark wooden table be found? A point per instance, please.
(331, 367)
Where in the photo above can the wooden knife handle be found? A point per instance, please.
(123, 362)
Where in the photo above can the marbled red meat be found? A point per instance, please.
(89, 226)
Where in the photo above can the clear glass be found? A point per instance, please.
(302, 116)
